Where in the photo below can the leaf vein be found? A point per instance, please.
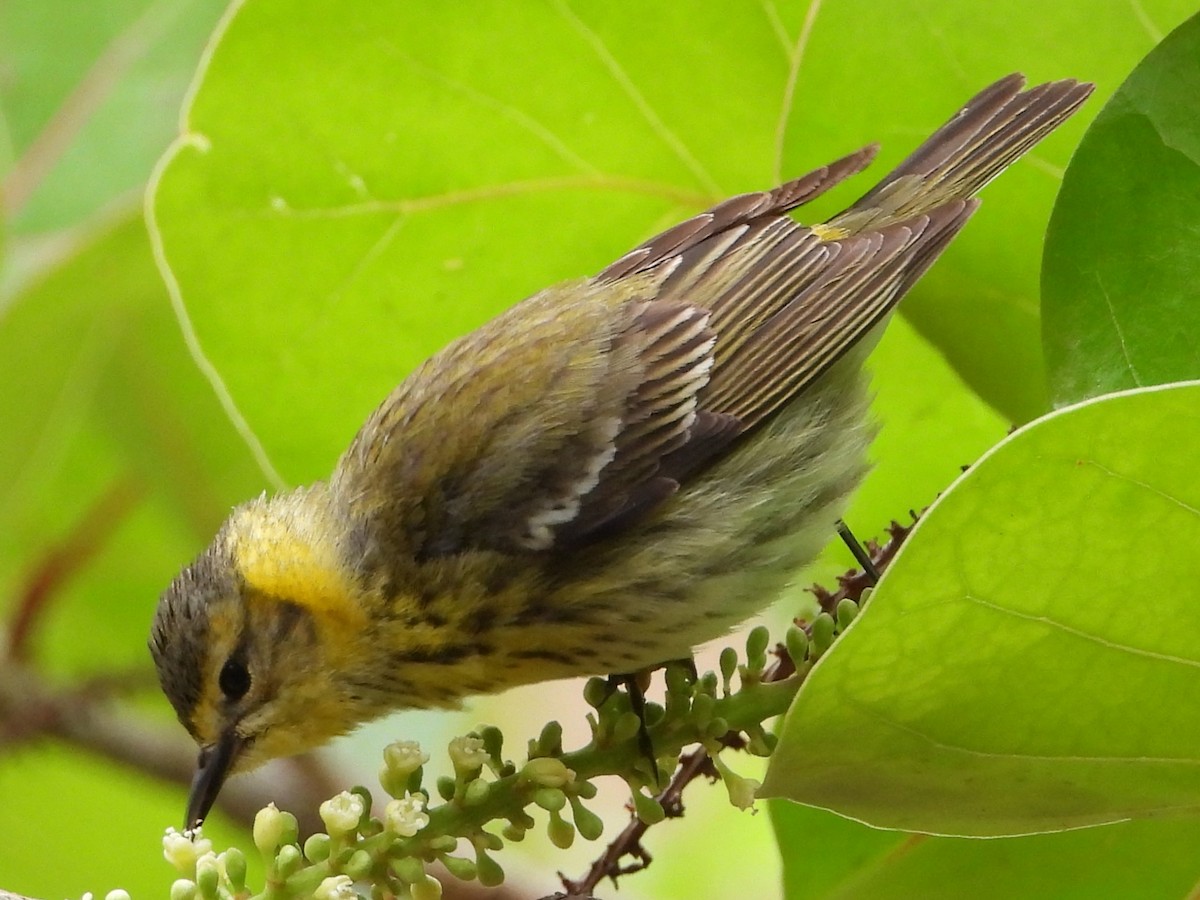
(1085, 635)
(643, 106)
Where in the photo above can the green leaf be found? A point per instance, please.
(395, 176)
(1017, 670)
(825, 856)
(1121, 303)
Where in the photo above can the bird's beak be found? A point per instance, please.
(215, 763)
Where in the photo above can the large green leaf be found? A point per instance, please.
(1019, 669)
(1121, 284)
(396, 175)
(829, 858)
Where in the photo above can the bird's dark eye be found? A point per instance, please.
(234, 680)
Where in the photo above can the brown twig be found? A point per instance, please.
(30, 709)
(853, 583)
(60, 563)
(629, 841)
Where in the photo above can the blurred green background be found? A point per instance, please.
(358, 185)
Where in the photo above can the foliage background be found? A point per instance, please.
(371, 183)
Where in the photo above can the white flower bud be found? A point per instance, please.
(404, 757)
(406, 816)
(182, 851)
(335, 887)
(341, 814)
(468, 755)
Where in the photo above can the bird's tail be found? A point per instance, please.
(995, 127)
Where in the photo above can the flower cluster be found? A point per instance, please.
(489, 800)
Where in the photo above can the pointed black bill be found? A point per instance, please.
(215, 763)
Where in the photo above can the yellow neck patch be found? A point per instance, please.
(287, 548)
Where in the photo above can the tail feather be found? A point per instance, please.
(991, 131)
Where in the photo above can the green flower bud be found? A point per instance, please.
(759, 744)
(823, 628)
(596, 692)
(291, 829)
(445, 787)
(233, 861)
(358, 865)
(757, 643)
(547, 771)
(626, 727)
(729, 661)
(487, 870)
(847, 609)
(428, 888)
(268, 830)
(493, 741)
(647, 808)
(408, 869)
(288, 860)
(462, 869)
(560, 831)
(183, 889)
(679, 681)
(717, 728)
(208, 876)
(316, 848)
(653, 713)
(490, 841)
(589, 825)
(549, 742)
(513, 832)
(476, 792)
(550, 799)
(521, 819)
(443, 843)
(797, 645)
(585, 789)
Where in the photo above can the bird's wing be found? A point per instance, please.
(579, 410)
(584, 407)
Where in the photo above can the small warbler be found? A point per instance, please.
(611, 472)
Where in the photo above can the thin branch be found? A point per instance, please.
(30, 709)
(629, 841)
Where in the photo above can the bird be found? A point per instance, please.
(609, 473)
